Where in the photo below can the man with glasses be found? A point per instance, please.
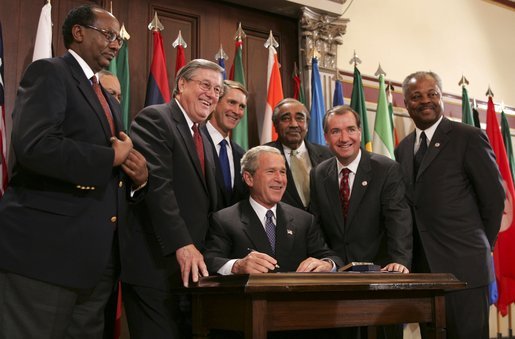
(163, 249)
(67, 197)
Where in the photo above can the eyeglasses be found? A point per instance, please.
(110, 36)
(206, 86)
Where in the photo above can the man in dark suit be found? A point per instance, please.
(163, 248)
(457, 199)
(358, 197)
(67, 196)
(228, 113)
(239, 238)
(291, 120)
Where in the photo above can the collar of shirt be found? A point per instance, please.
(353, 167)
(216, 136)
(429, 133)
(261, 211)
(302, 151)
(85, 67)
(186, 116)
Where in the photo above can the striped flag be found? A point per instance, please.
(338, 93)
(383, 142)
(158, 90)
(275, 94)
(357, 102)
(3, 130)
(316, 129)
(298, 89)
(466, 110)
(43, 44)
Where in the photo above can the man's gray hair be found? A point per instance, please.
(249, 162)
(277, 108)
(419, 75)
(188, 70)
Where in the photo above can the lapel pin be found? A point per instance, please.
(364, 183)
(290, 232)
(437, 144)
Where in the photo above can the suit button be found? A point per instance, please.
(120, 184)
(113, 219)
(78, 186)
(92, 188)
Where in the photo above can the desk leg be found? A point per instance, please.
(255, 323)
(437, 328)
(199, 329)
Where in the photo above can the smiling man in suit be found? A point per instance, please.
(67, 198)
(291, 119)
(457, 200)
(228, 113)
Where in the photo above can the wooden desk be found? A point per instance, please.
(258, 303)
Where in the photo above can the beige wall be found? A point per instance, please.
(471, 37)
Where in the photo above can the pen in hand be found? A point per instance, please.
(253, 250)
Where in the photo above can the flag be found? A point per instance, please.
(43, 44)
(275, 94)
(221, 62)
(503, 251)
(180, 61)
(119, 66)
(298, 89)
(466, 111)
(338, 93)
(3, 130)
(316, 128)
(158, 90)
(240, 132)
(506, 136)
(475, 114)
(383, 134)
(357, 102)
(389, 96)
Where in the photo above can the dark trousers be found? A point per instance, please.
(156, 314)
(31, 308)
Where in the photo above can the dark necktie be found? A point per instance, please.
(103, 102)
(345, 192)
(224, 165)
(199, 146)
(270, 228)
(422, 149)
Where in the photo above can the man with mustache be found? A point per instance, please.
(291, 119)
(454, 189)
(228, 113)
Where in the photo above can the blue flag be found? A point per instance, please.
(221, 62)
(316, 129)
(338, 93)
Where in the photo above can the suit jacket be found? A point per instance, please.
(177, 203)
(237, 228)
(65, 199)
(457, 200)
(317, 154)
(379, 226)
(239, 190)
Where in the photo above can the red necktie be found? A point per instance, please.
(103, 102)
(199, 146)
(345, 192)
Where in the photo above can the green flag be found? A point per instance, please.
(357, 102)
(506, 135)
(119, 66)
(466, 111)
(240, 132)
(383, 134)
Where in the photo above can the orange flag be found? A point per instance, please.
(275, 94)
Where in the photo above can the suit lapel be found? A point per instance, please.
(314, 156)
(285, 233)
(254, 229)
(438, 142)
(291, 189)
(332, 191)
(359, 187)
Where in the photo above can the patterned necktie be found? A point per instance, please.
(199, 146)
(417, 160)
(300, 176)
(270, 228)
(345, 192)
(103, 102)
(224, 165)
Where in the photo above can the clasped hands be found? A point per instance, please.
(133, 163)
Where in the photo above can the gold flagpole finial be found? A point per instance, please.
(380, 71)
(240, 34)
(463, 81)
(221, 54)
(355, 60)
(489, 93)
(155, 24)
(179, 41)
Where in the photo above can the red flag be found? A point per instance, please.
(503, 251)
(181, 60)
(275, 94)
(158, 90)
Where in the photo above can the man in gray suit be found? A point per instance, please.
(291, 120)
(457, 199)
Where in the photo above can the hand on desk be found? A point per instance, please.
(315, 265)
(395, 267)
(191, 262)
(254, 262)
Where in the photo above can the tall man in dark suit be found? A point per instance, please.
(67, 197)
(291, 120)
(228, 113)
(456, 197)
(163, 249)
(359, 198)
(239, 240)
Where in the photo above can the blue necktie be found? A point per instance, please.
(224, 164)
(270, 228)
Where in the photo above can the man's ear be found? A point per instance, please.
(247, 177)
(78, 33)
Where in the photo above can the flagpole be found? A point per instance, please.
(499, 334)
